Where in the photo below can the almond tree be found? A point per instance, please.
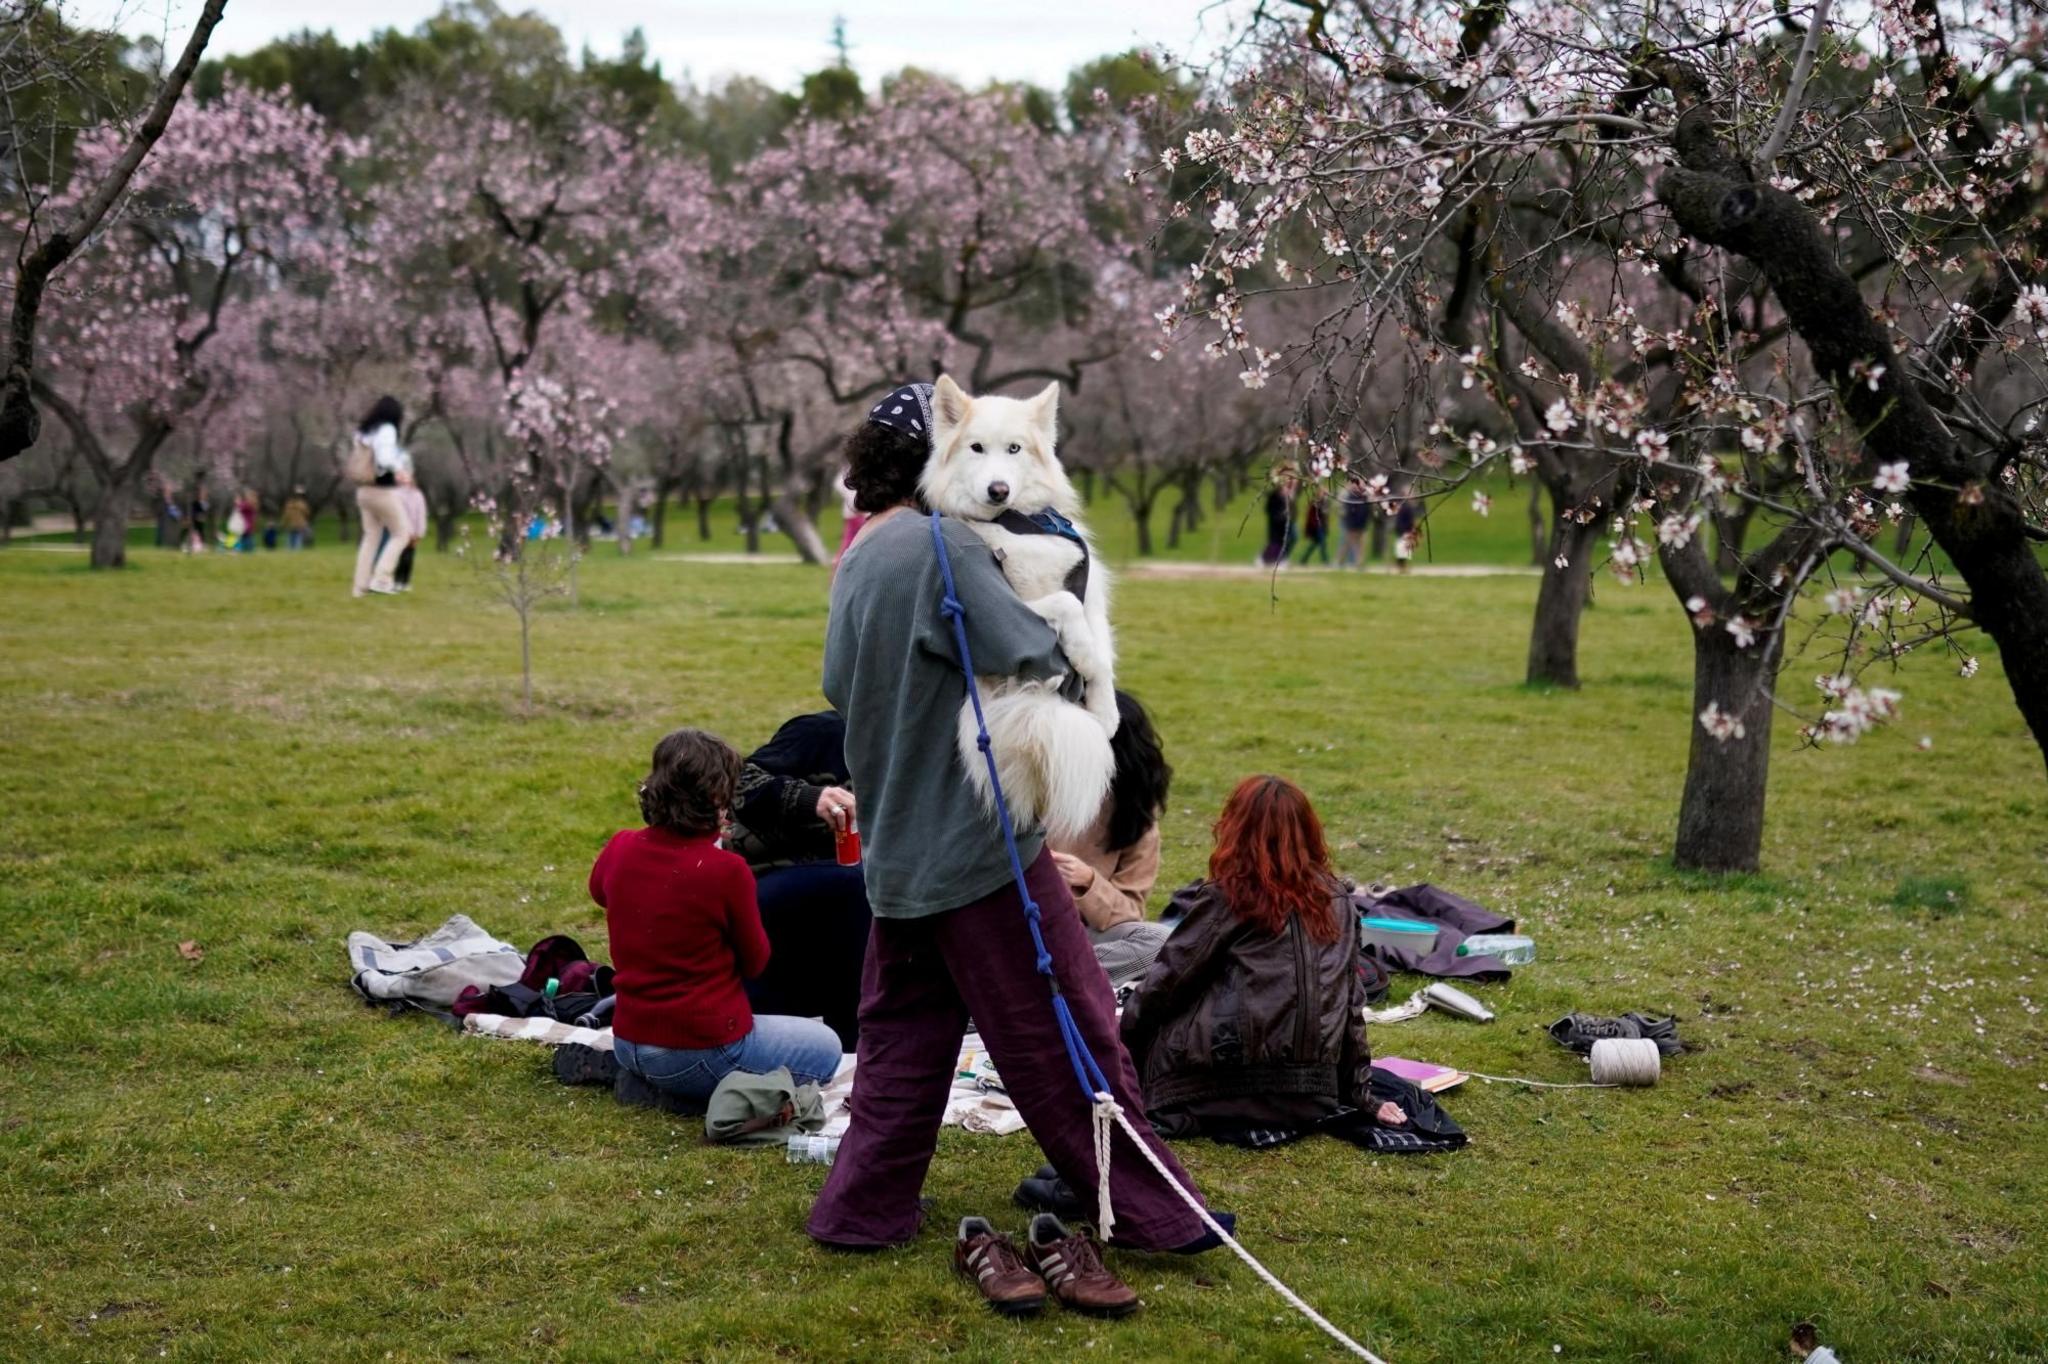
(512, 241)
(38, 65)
(1675, 261)
(240, 198)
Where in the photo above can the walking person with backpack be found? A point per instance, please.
(375, 463)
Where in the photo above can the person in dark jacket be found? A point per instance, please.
(1250, 1015)
(794, 798)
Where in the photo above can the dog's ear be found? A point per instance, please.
(949, 409)
(1044, 414)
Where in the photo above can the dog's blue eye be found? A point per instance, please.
(976, 447)
(1015, 448)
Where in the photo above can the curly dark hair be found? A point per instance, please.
(883, 465)
(690, 783)
(1143, 776)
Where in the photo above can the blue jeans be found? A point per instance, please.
(807, 1047)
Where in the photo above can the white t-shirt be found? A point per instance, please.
(385, 449)
(1821, 1354)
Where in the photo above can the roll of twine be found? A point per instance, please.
(1630, 1061)
(1618, 1063)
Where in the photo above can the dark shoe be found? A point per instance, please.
(576, 1064)
(1578, 1032)
(991, 1260)
(1072, 1268)
(1045, 1191)
(1209, 1240)
(634, 1092)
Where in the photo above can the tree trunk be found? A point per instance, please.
(445, 526)
(1721, 816)
(110, 520)
(703, 518)
(1561, 600)
(1141, 512)
(802, 531)
(658, 515)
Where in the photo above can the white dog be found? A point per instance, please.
(993, 466)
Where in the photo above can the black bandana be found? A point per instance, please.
(908, 409)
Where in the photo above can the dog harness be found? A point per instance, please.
(1050, 522)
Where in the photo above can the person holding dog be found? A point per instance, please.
(950, 940)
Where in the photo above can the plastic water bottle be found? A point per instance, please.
(811, 1148)
(1512, 948)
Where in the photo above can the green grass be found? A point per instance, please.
(232, 1159)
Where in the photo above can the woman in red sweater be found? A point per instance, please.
(685, 931)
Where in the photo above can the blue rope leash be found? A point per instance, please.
(1086, 1072)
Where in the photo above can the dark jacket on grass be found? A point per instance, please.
(1234, 1025)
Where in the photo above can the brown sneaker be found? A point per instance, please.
(991, 1260)
(1072, 1269)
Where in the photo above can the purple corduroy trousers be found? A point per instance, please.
(923, 980)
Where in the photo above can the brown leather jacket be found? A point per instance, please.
(1237, 1026)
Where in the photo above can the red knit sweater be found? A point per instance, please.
(685, 930)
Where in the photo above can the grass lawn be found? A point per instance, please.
(233, 1159)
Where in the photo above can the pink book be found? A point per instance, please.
(1424, 1075)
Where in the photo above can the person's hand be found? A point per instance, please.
(1390, 1115)
(1077, 874)
(836, 807)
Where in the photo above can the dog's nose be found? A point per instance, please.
(999, 492)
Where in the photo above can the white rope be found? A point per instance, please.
(1105, 1103)
(1618, 1063)
(1103, 1117)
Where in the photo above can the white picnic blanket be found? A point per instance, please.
(433, 970)
(977, 1103)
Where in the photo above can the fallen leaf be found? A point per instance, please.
(191, 951)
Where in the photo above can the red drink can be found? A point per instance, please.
(846, 843)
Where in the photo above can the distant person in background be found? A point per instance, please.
(1279, 522)
(168, 516)
(1111, 872)
(1354, 514)
(248, 508)
(1315, 528)
(386, 527)
(297, 520)
(1407, 531)
(416, 526)
(197, 510)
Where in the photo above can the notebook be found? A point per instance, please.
(1424, 1075)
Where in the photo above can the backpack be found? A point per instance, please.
(580, 984)
(359, 466)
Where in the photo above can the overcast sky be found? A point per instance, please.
(776, 40)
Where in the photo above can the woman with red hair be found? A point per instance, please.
(1250, 1015)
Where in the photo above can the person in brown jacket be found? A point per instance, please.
(1112, 870)
(297, 519)
(1250, 1015)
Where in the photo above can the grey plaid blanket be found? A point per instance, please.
(433, 970)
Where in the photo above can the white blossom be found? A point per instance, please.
(1891, 478)
(1720, 724)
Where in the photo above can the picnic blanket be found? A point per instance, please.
(977, 1103)
(433, 971)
